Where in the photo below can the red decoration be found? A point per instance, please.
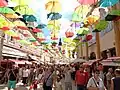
(46, 50)
(54, 38)
(35, 43)
(3, 3)
(17, 37)
(23, 28)
(69, 33)
(35, 30)
(88, 37)
(41, 39)
(5, 28)
(26, 35)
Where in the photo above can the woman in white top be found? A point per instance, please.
(95, 82)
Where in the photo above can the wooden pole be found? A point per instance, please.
(81, 50)
(98, 45)
(116, 25)
(87, 50)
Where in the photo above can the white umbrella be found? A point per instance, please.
(79, 60)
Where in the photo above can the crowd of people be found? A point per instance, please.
(63, 77)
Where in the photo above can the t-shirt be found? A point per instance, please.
(68, 76)
(12, 75)
(26, 73)
(93, 83)
(58, 85)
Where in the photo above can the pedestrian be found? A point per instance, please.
(68, 79)
(58, 83)
(109, 76)
(115, 82)
(95, 82)
(12, 79)
(81, 79)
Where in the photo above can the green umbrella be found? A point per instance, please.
(76, 17)
(67, 40)
(83, 31)
(24, 10)
(24, 42)
(32, 39)
(101, 25)
(6, 10)
(115, 12)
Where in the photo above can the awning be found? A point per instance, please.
(17, 61)
(110, 63)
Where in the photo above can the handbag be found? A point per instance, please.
(93, 88)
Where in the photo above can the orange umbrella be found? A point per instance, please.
(11, 16)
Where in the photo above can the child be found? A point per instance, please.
(58, 83)
(34, 85)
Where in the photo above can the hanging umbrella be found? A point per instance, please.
(53, 27)
(108, 3)
(83, 31)
(36, 30)
(11, 33)
(87, 2)
(77, 24)
(76, 17)
(54, 16)
(12, 16)
(92, 19)
(20, 25)
(6, 10)
(16, 37)
(54, 22)
(24, 9)
(22, 2)
(3, 3)
(5, 28)
(29, 18)
(32, 39)
(41, 26)
(53, 6)
(24, 42)
(101, 25)
(67, 40)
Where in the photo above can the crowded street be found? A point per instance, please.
(59, 44)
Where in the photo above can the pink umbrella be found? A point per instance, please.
(87, 2)
(3, 3)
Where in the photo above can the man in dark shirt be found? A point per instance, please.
(12, 76)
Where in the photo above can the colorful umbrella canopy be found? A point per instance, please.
(76, 24)
(3, 3)
(21, 2)
(54, 22)
(101, 25)
(35, 30)
(87, 2)
(6, 10)
(54, 16)
(67, 40)
(53, 27)
(12, 16)
(76, 17)
(29, 18)
(53, 6)
(83, 31)
(41, 26)
(24, 10)
(108, 3)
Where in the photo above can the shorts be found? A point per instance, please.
(11, 84)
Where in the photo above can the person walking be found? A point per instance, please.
(109, 76)
(95, 82)
(68, 79)
(12, 79)
(115, 82)
(81, 79)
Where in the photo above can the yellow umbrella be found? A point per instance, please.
(53, 6)
(82, 10)
(11, 33)
(54, 22)
(13, 16)
(22, 2)
(19, 23)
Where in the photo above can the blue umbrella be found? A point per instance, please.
(41, 26)
(54, 16)
(29, 18)
(108, 3)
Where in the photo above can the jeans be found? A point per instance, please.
(68, 86)
(80, 87)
